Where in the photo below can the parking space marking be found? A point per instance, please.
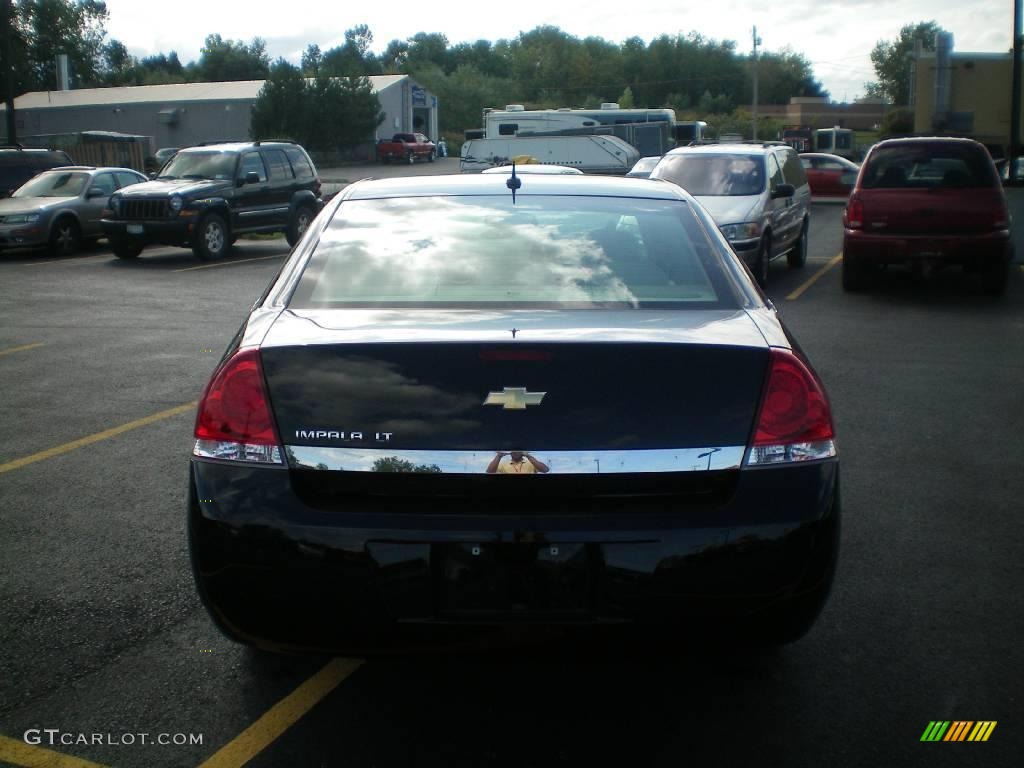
(282, 716)
(22, 348)
(79, 259)
(30, 756)
(229, 263)
(81, 442)
(814, 278)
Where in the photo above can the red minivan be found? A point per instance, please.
(928, 203)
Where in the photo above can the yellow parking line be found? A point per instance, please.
(282, 716)
(49, 453)
(814, 278)
(19, 753)
(22, 348)
(229, 263)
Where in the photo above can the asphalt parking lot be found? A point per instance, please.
(101, 361)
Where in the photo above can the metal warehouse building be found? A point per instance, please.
(189, 113)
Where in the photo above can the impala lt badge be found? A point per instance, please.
(514, 398)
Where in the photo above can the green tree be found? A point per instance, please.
(312, 59)
(280, 108)
(44, 28)
(223, 60)
(782, 75)
(353, 58)
(897, 122)
(892, 61)
(325, 113)
(626, 98)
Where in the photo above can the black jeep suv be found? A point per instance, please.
(208, 195)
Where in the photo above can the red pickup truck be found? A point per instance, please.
(406, 146)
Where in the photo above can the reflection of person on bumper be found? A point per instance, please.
(519, 463)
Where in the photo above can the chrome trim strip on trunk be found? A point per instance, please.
(477, 462)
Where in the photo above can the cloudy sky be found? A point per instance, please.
(836, 36)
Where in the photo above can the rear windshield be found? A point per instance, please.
(542, 252)
(929, 166)
(712, 175)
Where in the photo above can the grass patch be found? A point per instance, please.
(262, 236)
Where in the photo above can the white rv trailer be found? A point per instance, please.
(651, 131)
(591, 154)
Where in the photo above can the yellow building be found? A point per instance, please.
(966, 94)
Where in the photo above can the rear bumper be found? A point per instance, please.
(277, 573)
(979, 250)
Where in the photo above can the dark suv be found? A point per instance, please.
(206, 196)
(18, 165)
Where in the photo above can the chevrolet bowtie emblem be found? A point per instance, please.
(514, 398)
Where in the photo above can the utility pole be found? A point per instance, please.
(1015, 96)
(7, 59)
(757, 42)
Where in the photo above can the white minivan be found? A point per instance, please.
(757, 193)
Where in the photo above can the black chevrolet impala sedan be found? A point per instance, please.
(556, 404)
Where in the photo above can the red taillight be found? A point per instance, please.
(854, 214)
(234, 414)
(794, 422)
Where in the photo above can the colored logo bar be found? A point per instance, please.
(958, 730)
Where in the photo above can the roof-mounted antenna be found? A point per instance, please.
(514, 182)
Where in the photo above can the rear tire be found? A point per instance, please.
(995, 277)
(212, 239)
(300, 222)
(65, 237)
(763, 263)
(430, 159)
(410, 158)
(386, 160)
(125, 249)
(797, 257)
(855, 274)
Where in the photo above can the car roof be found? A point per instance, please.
(735, 148)
(88, 169)
(496, 184)
(535, 168)
(237, 146)
(929, 140)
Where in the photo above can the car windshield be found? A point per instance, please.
(929, 166)
(541, 252)
(201, 165)
(713, 175)
(54, 185)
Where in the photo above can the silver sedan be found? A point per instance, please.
(61, 208)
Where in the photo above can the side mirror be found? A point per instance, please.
(250, 178)
(783, 190)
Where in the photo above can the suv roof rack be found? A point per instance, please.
(274, 141)
(218, 141)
